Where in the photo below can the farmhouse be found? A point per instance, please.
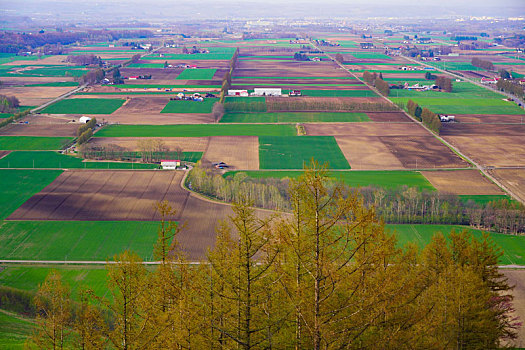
(295, 93)
(84, 119)
(367, 45)
(168, 164)
(489, 80)
(237, 92)
(267, 92)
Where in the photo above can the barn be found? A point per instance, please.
(267, 92)
(237, 92)
(84, 119)
(169, 164)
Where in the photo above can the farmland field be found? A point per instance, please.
(28, 143)
(84, 106)
(464, 105)
(104, 195)
(295, 152)
(386, 179)
(49, 159)
(182, 106)
(196, 130)
(75, 240)
(197, 74)
(293, 117)
(14, 330)
(19, 185)
(370, 55)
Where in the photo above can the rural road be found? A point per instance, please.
(442, 140)
(67, 94)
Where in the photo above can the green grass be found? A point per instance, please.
(377, 178)
(464, 105)
(20, 185)
(33, 143)
(294, 152)
(197, 74)
(85, 106)
(370, 55)
(57, 83)
(50, 159)
(197, 130)
(146, 65)
(484, 199)
(76, 240)
(455, 65)
(293, 117)
(183, 106)
(513, 246)
(460, 90)
(14, 330)
(6, 115)
(29, 278)
(54, 72)
(165, 86)
(339, 93)
(190, 57)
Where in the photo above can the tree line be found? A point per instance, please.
(8, 103)
(377, 81)
(424, 115)
(227, 79)
(85, 60)
(85, 131)
(444, 83)
(296, 104)
(480, 63)
(510, 87)
(328, 276)
(13, 118)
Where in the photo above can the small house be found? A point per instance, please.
(238, 93)
(84, 119)
(169, 164)
(134, 77)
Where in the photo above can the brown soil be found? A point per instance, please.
(105, 195)
(240, 152)
(514, 179)
(35, 96)
(158, 119)
(517, 278)
(143, 105)
(365, 129)
(489, 118)
(40, 130)
(187, 144)
(422, 152)
(491, 150)
(52, 60)
(388, 117)
(500, 130)
(462, 182)
(367, 153)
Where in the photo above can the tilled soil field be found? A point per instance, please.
(143, 105)
(367, 153)
(461, 182)
(105, 195)
(488, 119)
(500, 130)
(187, 144)
(365, 129)
(422, 152)
(517, 278)
(40, 130)
(35, 96)
(514, 179)
(491, 150)
(158, 118)
(240, 152)
(388, 117)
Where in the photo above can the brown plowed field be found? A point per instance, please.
(367, 153)
(40, 130)
(462, 182)
(305, 82)
(51, 60)
(365, 129)
(33, 80)
(35, 96)
(187, 144)
(491, 150)
(416, 152)
(156, 73)
(388, 117)
(105, 195)
(500, 130)
(143, 105)
(486, 118)
(159, 118)
(319, 104)
(240, 152)
(517, 278)
(514, 179)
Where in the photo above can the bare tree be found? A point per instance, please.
(217, 111)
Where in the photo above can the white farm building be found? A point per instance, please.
(237, 92)
(169, 164)
(84, 119)
(267, 92)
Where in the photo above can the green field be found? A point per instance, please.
(85, 106)
(377, 178)
(189, 57)
(460, 90)
(50, 160)
(33, 143)
(31, 277)
(463, 105)
(484, 199)
(14, 329)
(455, 65)
(338, 93)
(294, 152)
(196, 130)
(57, 83)
(165, 86)
(370, 55)
(20, 185)
(197, 74)
(513, 246)
(75, 240)
(65, 71)
(294, 117)
(146, 65)
(184, 106)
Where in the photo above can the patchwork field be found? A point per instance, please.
(365, 129)
(47, 130)
(84, 106)
(197, 74)
(239, 152)
(187, 144)
(294, 117)
(367, 153)
(462, 182)
(104, 195)
(296, 152)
